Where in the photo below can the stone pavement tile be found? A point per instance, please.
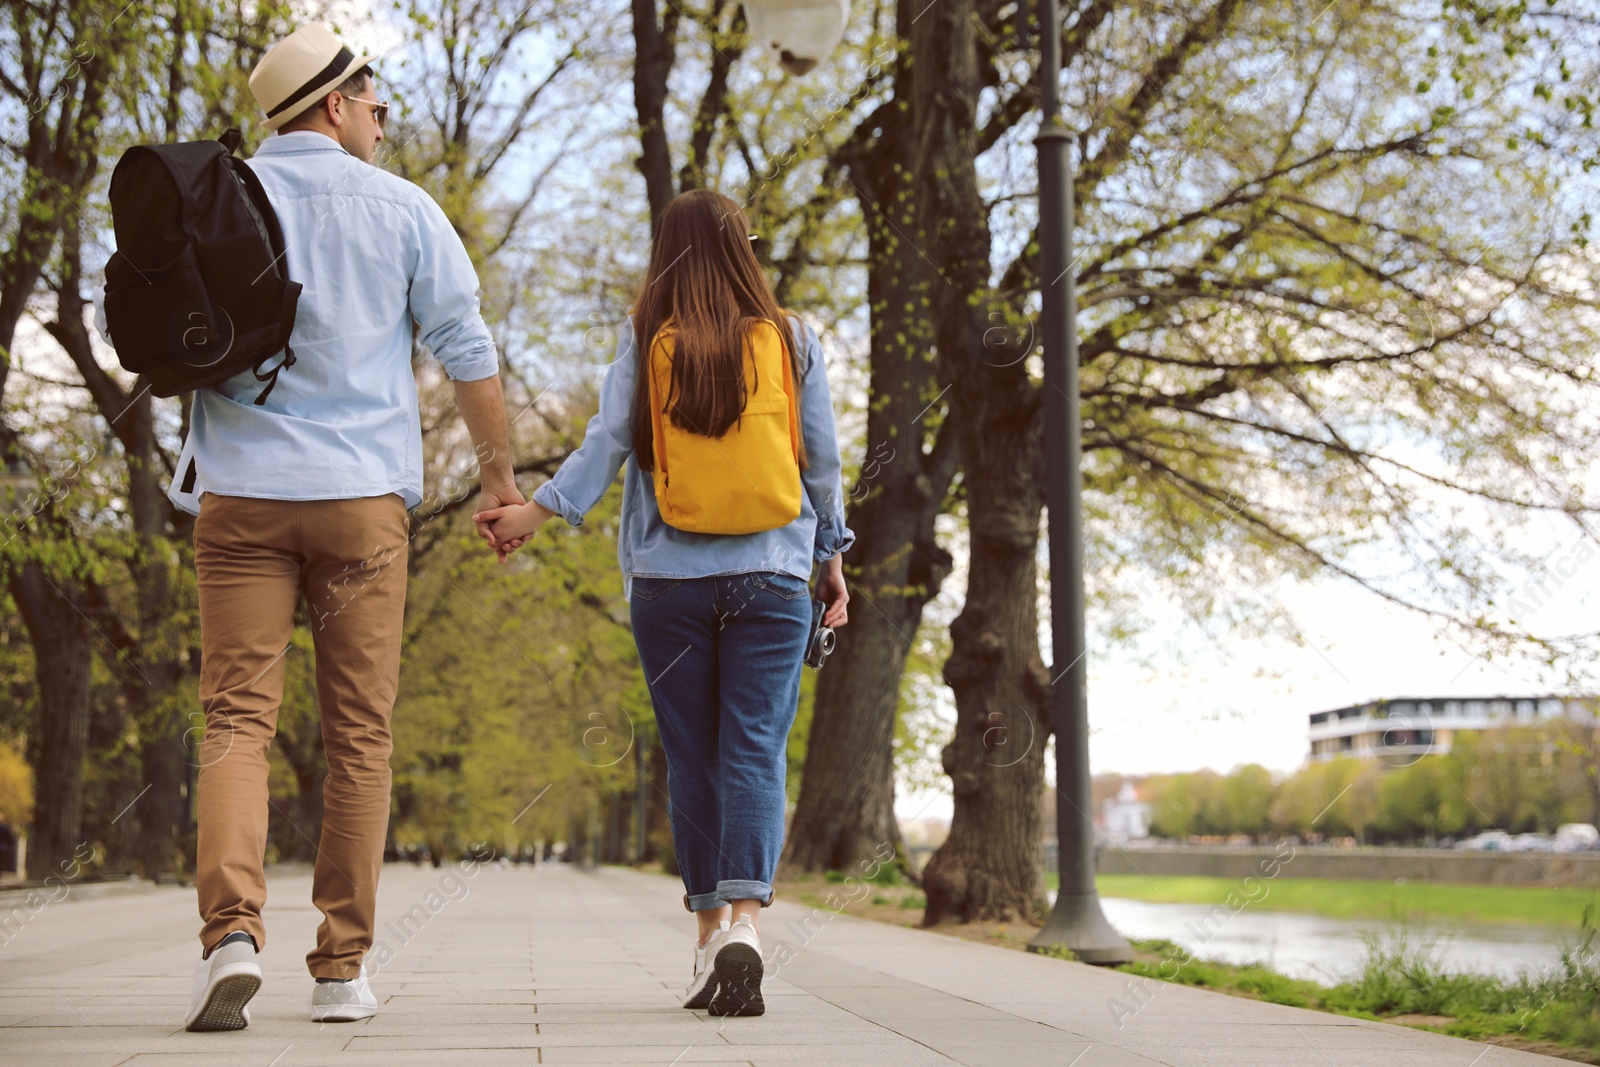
(127, 1019)
(654, 995)
(588, 1014)
(880, 1055)
(648, 1054)
(773, 1029)
(902, 1001)
(28, 1006)
(430, 986)
(401, 1023)
(690, 1029)
(297, 1057)
(623, 985)
(527, 1033)
(445, 1015)
(400, 1000)
(910, 1057)
(1052, 1053)
(555, 1009)
(134, 1000)
(479, 1038)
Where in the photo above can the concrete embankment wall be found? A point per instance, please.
(1307, 861)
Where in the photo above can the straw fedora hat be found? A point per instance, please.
(300, 70)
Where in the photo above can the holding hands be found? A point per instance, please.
(506, 522)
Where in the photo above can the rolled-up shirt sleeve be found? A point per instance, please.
(585, 476)
(444, 299)
(823, 478)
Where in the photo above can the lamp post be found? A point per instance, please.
(1077, 921)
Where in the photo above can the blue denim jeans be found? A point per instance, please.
(722, 656)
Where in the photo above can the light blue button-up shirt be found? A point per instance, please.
(647, 546)
(374, 253)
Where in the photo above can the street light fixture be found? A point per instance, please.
(1077, 921)
(800, 33)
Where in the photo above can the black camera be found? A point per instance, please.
(822, 638)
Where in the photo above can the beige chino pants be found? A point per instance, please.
(254, 559)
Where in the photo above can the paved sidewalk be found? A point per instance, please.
(516, 966)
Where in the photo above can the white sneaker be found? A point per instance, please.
(736, 972)
(223, 985)
(698, 995)
(343, 1002)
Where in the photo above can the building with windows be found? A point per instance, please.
(1405, 729)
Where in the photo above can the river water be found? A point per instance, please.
(1329, 950)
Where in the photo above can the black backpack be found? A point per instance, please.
(198, 289)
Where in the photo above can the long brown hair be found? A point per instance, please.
(705, 278)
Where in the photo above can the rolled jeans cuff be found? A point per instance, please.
(702, 901)
(730, 890)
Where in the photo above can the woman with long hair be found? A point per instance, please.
(717, 403)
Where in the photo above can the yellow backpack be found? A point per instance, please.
(748, 479)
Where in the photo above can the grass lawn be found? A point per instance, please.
(1362, 899)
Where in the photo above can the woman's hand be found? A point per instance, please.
(831, 591)
(509, 528)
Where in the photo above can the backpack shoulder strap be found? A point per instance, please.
(647, 367)
(794, 400)
(266, 218)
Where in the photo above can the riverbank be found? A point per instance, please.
(1579, 870)
(1359, 899)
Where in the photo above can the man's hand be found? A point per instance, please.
(509, 527)
(490, 498)
(831, 591)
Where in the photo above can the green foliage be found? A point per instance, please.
(16, 787)
(1515, 777)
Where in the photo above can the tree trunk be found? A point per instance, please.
(988, 868)
(654, 52)
(845, 811)
(60, 635)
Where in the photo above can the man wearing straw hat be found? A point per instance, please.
(307, 495)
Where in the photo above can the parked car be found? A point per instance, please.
(1488, 841)
(1576, 837)
(1531, 843)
